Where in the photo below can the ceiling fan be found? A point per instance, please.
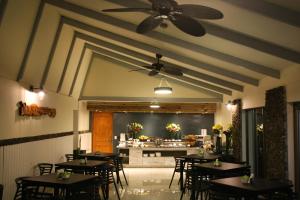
(158, 67)
(182, 16)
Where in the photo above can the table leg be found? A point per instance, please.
(181, 174)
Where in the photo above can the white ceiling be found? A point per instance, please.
(60, 49)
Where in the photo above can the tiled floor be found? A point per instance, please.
(149, 184)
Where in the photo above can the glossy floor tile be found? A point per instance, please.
(148, 184)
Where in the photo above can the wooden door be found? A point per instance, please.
(102, 132)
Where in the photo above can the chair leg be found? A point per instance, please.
(182, 192)
(124, 176)
(121, 183)
(116, 188)
(103, 192)
(172, 179)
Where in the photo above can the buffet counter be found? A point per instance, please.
(153, 156)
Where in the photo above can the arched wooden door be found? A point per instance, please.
(103, 132)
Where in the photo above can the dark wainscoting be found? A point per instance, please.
(275, 130)
(13, 141)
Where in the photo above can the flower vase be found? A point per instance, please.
(217, 144)
(178, 135)
(228, 144)
(134, 135)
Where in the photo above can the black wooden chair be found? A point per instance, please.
(196, 181)
(45, 168)
(1, 191)
(30, 192)
(119, 166)
(107, 177)
(177, 168)
(69, 157)
(90, 192)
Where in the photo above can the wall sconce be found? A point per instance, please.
(229, 105)
(39, 91)
(163, 89)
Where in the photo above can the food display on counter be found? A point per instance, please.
(144, 141)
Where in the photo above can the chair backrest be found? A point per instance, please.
(177, 163)
(45, 168)
(1, 191)
(19, 182)
(106, 173)
(69, 157)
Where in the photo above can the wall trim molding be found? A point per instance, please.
(84, 132)
(13, 141)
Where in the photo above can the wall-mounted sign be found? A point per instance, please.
(35, 110)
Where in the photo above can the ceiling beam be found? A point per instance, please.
(269, 9)
(216, 96)
(130, 66)
(126, 59)
(205, 108)
(149, 99)
(234, 36)
(150, 59)
(252, 42)
(30, 40)
(172, 40)
(144, 46)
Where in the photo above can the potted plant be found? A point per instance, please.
(134, 129)
(173, 130)
(217, 130)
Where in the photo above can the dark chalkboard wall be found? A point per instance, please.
(154, 123)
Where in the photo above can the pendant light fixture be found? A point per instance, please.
(164, 87)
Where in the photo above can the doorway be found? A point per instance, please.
(103, 132)
(253, 139)
(297, 145)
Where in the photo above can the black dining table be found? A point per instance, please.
(225, 169)
(104, 156)
(98, 155)
(89, 167)
(192, 157)
(258, 186)
(74, 182)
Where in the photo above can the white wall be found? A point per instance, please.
(13, 126)
(21, 159)
(253, 97)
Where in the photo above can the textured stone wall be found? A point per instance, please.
(237, 129)
(275, 138)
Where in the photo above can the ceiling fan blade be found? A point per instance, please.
(201, 12)
(127, 10)
(153, 73)
(187, 24)
(148, 24)
(173, 71)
